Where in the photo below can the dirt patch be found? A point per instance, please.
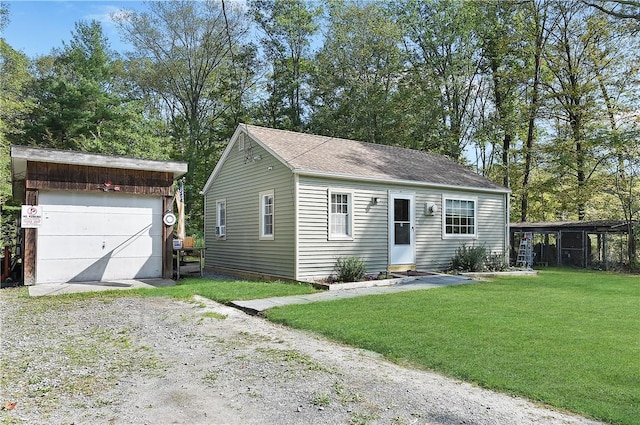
(159, 361)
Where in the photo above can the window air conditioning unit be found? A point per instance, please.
(219, 230)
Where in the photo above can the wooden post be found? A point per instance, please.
(585, 251)
(29, 251)
(6, 264)
(604, 251)
(559, 248)
(546, 244)
(167, 238)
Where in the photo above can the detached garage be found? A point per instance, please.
(94, 217)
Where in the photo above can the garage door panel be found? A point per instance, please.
(85, 270)
(141, 246)
(66, 247)
(65, 223)
(99, 209)
(99, 236)
(98, 223)
(77, 200)
(133, 225)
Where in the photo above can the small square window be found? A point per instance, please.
(459, 217)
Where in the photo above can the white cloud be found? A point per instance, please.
(104, 14)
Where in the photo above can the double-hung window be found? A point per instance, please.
(459, 217)
(340, 215)
(267, 215)
(221, 218)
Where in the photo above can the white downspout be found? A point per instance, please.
(507, 238)
(296, 228)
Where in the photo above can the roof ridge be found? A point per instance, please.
(363, 142)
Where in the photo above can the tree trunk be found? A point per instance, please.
(506, 146)
(528, 150)
(631, 244)
(533, 112)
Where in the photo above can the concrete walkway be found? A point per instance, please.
(69, 288)
(408, 284)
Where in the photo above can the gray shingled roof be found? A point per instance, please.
(308, 153)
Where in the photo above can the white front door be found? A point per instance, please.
(401, 229)
(98, 236)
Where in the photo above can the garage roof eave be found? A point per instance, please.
(21, 154)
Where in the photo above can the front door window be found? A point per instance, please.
(402, 221)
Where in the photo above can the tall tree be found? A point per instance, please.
(190, 55)
(624, 167)
(357, 73)
(288, 27)
(82, 102)
(537, 33)
(14, 76)
(441, 37)
(574, 91)
(502, 47)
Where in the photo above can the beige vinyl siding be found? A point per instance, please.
(433, 251)
(239, 184)
(493, 223)
(316, 253)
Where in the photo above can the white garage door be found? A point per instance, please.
(98, 237)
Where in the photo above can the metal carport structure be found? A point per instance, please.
(575, 243)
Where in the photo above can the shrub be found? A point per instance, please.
(349, 269)
(495, 262)
(469, 259)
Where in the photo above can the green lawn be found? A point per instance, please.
(221, 291)
(224, 291)
(570, 339)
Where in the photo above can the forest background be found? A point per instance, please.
(542, 96)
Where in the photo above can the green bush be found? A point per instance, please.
(349, 269)
(469, 259)
(496, 262)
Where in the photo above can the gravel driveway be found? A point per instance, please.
(135, 360)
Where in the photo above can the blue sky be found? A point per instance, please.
(36, 27)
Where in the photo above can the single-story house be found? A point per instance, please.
(286, 205)
(89, 217)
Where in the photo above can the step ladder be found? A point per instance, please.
(525, 251)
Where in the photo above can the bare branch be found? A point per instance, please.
(617, 13)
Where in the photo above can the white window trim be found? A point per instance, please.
(340, 237)
(262, 235)
(223, 233)
(446, 235)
